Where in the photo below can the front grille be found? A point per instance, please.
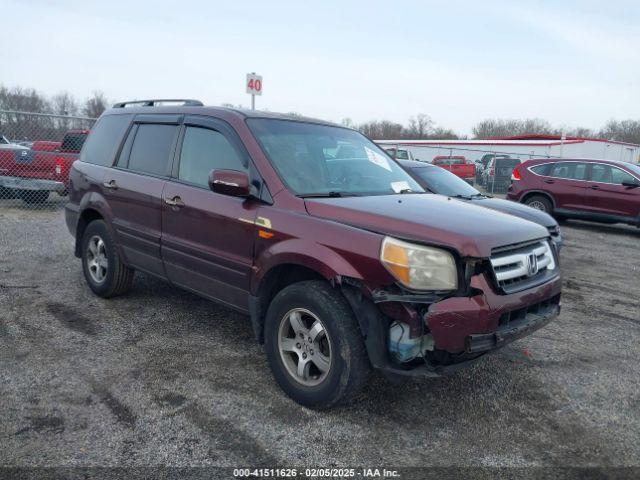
(521, 266)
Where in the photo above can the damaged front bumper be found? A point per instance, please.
(487, 320)
(462, 328)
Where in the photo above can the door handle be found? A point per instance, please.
(174, 202)
(595, 187)
(549, 181)
(111, 184)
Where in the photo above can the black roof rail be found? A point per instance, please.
(154, 102)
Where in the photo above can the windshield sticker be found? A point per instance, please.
(400, 186)
(378, 159)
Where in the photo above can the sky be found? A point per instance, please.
(573, 63)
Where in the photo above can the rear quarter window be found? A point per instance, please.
(541, 169)
(104, 139)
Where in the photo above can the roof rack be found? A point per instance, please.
(154, 102)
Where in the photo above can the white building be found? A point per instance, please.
(524, 147)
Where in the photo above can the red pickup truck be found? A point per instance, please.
(32, 173)
(457, 165)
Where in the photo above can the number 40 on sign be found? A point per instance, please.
(254, 84)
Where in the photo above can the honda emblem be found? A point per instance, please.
(532, 264)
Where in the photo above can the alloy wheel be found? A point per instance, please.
(97, 262)
(538, 205)
(304, 346)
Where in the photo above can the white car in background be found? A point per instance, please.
(399, 153)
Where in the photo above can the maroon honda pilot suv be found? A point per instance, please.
(332, 249)
(606, 191)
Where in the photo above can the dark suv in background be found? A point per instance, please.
(605, 191)
(340, 260)
(438, 180)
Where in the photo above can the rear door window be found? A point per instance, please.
(601, 173)
(569, 170)
(151, 149)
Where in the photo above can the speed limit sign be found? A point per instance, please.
(254, 84)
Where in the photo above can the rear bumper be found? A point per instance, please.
(32, 184)
(487, 320)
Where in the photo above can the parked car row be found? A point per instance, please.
(333, 250)
(32, 173)
(605, 191)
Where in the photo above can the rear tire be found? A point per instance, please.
(327, 340)
(539, 203)
(103, 268)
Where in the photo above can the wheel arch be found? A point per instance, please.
(284, 265)
(87, 216)
(93, 206)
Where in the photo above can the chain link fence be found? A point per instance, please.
(36, 153)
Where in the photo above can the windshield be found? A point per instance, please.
(319, 160)
(444, 182)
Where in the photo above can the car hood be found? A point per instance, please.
(517, 209)
(429, 219)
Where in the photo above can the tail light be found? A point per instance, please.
(492, 172)
(59, 163)
(515, 175)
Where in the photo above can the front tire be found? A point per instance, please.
(314, 345)
(103, 268)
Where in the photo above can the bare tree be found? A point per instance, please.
(444, 134)
(384, 129)
(622, 131)
(23, 100)
(420, 126)
(347, 122)
(583, 132)
(495, 127)
(95, 105)
(64, 104)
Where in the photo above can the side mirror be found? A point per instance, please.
(631, 184)
(229, 182)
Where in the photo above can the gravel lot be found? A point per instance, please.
(162, 377)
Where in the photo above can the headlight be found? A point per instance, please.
(418, 267)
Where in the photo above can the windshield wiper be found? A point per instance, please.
(334, 194)
(464, 197)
